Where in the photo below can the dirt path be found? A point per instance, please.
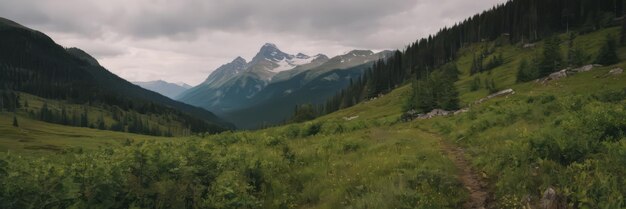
(472, 181)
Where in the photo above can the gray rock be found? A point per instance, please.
(494, 95)
(435, 113)
(529, 45)
(556, 76)
(549, 200)
(461, 111)
(584, 68)
(616, 71)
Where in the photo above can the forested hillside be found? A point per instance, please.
(518, 22)
(32, 63)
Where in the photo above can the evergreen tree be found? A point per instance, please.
(477, 65)
(436, 90)
(607, 54)
(552, 59)
(84, 118)
(15, 121)
(303, 113)
(490, 85)
(475, 85)
(525, 72)
(576, 56)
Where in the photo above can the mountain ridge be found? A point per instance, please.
(51, 71)
(164, 88)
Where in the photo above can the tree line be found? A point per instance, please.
(31, 62)
(515, 21)
(551, 59)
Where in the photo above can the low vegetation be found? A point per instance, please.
(568, 135)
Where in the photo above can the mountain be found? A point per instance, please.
(184, 85)
(33, 63)
(225, 72)
(275, 103)
(170, 90)
(274, 82)
(232, 85)
(80, 54)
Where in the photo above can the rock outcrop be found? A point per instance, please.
(616, 71)
(413, 114)
(566, 72)
(505, 92)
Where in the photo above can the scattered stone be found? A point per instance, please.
(556, 76)
(584, 68)
(435, 113)
(567, 72)
(409, 115)
(550, 199)
(351, 118)
(616, 71)
(494, 95)
(461, 111)
(529, 45)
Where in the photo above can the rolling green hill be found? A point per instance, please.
(567, 135)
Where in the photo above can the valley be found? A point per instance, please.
(423, 127)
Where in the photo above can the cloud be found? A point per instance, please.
(179, 40)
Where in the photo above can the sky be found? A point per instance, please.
(185, 40)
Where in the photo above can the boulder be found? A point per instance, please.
(529, 45)
(351, 118)
(494, 95)
(583, 68)
(556, 76)
(409, 115)
(434, 113)
(550, 199)
(616, 71)
(461, 111)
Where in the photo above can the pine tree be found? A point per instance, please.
(15, 121)
(524, 73)
(475, 85)
(552, 59)
(490, 85)
(576, 56)
(607, 54)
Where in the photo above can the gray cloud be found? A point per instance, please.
(185, 40)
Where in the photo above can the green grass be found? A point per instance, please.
(372, 161)
(40, 138)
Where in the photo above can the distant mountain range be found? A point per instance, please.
(266, 89)
(32, 62)
(164, 88)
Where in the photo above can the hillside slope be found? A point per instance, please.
(33, 63)
(565, 136)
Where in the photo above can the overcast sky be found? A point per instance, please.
(184, 40)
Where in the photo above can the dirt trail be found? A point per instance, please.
(472, 181)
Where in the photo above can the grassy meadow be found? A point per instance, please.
(568, 135)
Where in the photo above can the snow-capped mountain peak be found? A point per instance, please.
(302, 56)
(270, 52)
(272, 60)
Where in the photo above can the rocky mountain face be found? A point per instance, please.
(276, 80)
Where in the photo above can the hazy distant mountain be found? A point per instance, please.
(170, 90)
(32, 62)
